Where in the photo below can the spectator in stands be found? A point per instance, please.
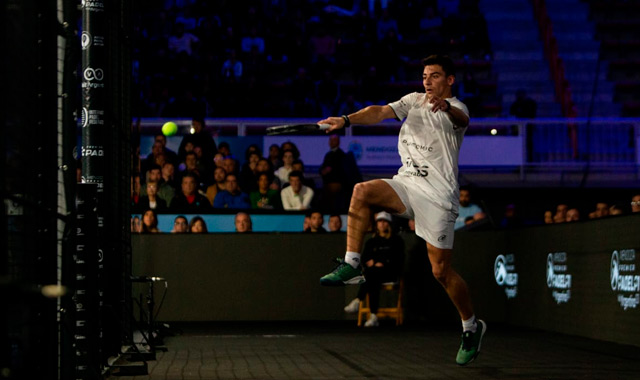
(349, 105)
(232, 68)
(252, 41)
(561, 213)
(290, 145)
(151, 201)
(275, 156)
(164, 190)
(230, 165)
(197, 225)
(150, 222)
(232, 197)
(305, 222)
(298, 166)
(467, 208)
(169, 155)
(200, 137)
(382, 259)
(335, 223)
(327, 93)
(635, 203)
(218, 159)
(189, 201)
(334, 177)
(573, 215)
(323, 47)
(191, 167)
(136, 225)
(602, 210)
(249, 172)
(468, 92)
(524, 107)
(151, 160)
(283, 172)
(264, 197)
(511, 218)
(302, 96)
(219, 177)
(168, 178)
(225, 149)
(385, 24)
(548, 217)
(135, 191)
(264, 166)
(431, 27)
(316, 220)
(180, 225)
(296, 196)
(182, 41)
(243, 223)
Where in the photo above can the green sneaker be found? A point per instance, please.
(344, 274)
(470, 346)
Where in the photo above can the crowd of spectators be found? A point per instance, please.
(289, 58)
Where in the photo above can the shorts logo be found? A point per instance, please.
(442, 237)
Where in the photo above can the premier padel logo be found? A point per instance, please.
(625, 282)
(504, 271)
(558, 277)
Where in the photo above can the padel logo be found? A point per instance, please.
(504, 271)
(558, 278)
(624, 280)
(86, 40)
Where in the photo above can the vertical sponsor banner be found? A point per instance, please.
(94, 60)
(625, 278)
(86, 334)
(559, 277)
(504, 271)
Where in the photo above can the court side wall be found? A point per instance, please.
(581, 278)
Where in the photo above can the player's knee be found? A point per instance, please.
(361, 191)
(440, 274)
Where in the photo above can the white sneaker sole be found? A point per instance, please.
(357, 280)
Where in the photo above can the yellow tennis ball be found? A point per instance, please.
(169, 128)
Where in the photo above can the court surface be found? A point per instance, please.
(340, 350)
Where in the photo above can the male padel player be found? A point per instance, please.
(425, 188)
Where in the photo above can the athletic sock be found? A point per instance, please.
(470, 324)
(353, 258)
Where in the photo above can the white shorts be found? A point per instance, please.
(434, 223)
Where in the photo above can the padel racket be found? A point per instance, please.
(288, 129)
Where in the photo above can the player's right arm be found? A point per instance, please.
(366, 116)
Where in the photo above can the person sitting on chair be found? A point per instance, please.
(382, 258)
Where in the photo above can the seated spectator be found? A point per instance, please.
(602, 210)
(264, 166)
(180, 225)
(548, 217)
(225, 149)
(296, 196)
(573, 215)
(249, 172)
(182, 41)
(191, 166)
(335, 223)
(189, 201)
(561, 213)
(136, 225)
(298, 166)
(635, 203)
(264, 197)
(316, 220)
(382, 260)
(197, 225)
(232, 197)
(283, 172)
(230, 165)
(168, 178)
(219, 177)
(467, 208)
(524, 107)
(243, 222)
(135, 191)
(510, 217)
(165, 190)
(150, 222)
(152, 200)
(275, 156)
(170, 156)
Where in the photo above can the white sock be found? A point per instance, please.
(470, 324)
(353, 258)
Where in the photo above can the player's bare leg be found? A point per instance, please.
(368, 197)
(458, 291)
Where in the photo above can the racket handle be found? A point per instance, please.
(323, 127)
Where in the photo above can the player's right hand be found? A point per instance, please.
(334, 122)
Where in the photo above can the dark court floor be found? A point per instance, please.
(332, 350)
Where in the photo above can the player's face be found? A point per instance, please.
(436, 83)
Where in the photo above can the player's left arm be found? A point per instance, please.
(457, 116)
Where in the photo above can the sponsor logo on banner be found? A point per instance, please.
(85, 40)
(85, 117)
(625, 281)
(558, 277)
(92, 151)
(504, 271)
(93, 5)
(91, 76)
(356, 148)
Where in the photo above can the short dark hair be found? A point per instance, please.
(444, 61)
(296, 173)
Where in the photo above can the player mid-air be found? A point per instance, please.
(425, 188)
